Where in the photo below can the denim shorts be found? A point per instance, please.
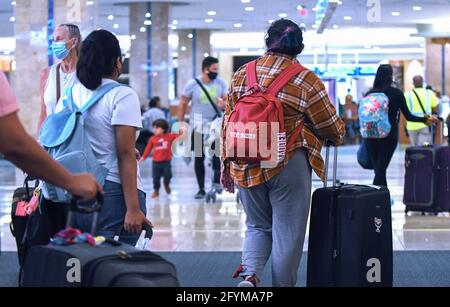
(112, 216)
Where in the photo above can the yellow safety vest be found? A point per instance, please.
(429, 102)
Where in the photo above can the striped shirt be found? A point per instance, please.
(305, 99)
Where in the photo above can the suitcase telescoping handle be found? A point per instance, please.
(327, 164)
(94, 209)
(441, 133)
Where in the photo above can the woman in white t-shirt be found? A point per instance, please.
(111, 127)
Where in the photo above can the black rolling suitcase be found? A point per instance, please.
(427, 178)
(111, 264)
(350, 236)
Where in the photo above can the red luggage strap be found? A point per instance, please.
(275, 87)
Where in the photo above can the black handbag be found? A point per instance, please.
(363, 156)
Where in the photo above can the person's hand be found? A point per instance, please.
(84, 186)
(134, 220)
(431, 120)
(141, 160)
(227, 182)
(138, 154)
(221, 103)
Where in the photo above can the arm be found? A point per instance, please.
(43, 81)
(184, 102)
(148, 150)
(22, 150)
(322, 115)
(135, 218)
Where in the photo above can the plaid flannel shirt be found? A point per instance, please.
(305, 98)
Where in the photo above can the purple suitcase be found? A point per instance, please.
(427, 186)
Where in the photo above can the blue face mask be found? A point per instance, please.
(60, 50)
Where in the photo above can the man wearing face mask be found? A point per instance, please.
(207, 94)
(55, 79)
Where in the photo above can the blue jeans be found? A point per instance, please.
(112, 216)
(277, 213)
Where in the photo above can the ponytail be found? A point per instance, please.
(285, 36)
(98, 56)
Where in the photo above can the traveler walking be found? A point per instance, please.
(161, 145)
(207, 93)
(381, 148)
(111, 125)
(55, 79)
(421, 101)
(277, 200)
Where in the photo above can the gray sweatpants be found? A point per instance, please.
(277, 213)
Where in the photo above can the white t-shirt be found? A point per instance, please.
(120, 106)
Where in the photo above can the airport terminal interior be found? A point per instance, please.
(163, 45)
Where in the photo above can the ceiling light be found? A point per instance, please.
(246, 1)
(142, 29)
(314, 9)
(417, 8)
(282, 15)
(212, 13)
(116, 26)
(238, 25)
(148, 15)
(209, 20)
(395, 13)
(271, 21)
(132, 37)
(190, 35)
(249, 8)
(13, 2)
(206, 54)
(12, 19)
(89, 3)
(110, 17)
(335, 26)
(148, 22)
(175, 22)
(183, 48)
(347, 17)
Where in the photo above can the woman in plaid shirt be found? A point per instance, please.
(277, 200)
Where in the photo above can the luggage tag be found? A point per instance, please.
(21, 208)
(34, 202)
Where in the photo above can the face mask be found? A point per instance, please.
(60, 50)
(212, 75)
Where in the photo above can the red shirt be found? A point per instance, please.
(161, 146)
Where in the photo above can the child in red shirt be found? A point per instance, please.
(161, 144)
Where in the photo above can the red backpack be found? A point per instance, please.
(255, 128)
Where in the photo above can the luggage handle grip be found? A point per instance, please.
(74, 207)
(327, 163)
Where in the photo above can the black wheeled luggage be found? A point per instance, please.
(427, 178)
(350, 236)
(111, 264)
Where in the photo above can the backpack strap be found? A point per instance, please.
(283, 79)
(252, 80)
(98, 94)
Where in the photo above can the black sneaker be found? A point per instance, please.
(200, 195)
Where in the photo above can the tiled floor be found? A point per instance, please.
(184, 224)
